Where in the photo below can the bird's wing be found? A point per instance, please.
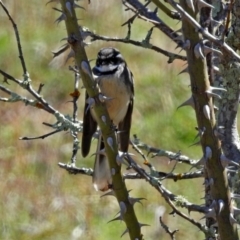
(124, 129)
(125, 125)
(89, 128)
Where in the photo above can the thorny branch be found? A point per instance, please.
(167, 229)
(163, 153)
(203, 31)
(153, 177)
(75, 95)
(143, 44)
(168, 196)
(40, 102)
(18, 40)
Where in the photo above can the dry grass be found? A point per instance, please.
(41, 201)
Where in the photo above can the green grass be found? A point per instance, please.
(38, 200)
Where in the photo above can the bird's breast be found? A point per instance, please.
(119, 97)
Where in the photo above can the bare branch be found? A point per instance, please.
(17, 38)
(167, 229)
(75, 170)
(163, 153)
(171, 56)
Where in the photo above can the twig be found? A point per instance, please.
(40, 137)
(167, 229)
(168, 12)
(41, 85)
(170, 197)
(163, 153)
(75, 170)
(174, 176)
(153, 18)
(131, 20)
(75, 95)
(17, 38)
(171, 56)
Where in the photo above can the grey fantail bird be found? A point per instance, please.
(115, 81)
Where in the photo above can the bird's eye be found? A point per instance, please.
(113, 61)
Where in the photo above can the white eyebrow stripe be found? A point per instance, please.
(119, 55)
(106, 68)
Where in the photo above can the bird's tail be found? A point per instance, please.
(102, 179)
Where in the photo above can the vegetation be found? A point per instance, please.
(39, 200)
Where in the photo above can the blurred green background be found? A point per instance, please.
(38, 200)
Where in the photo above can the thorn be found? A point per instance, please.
(179, 38)
(91, 102)
(104, 119)
(110, 193)
(186, 44)
(100, 152)
(103, 98)
(69, 7)
(178, 46)
(218, 89)
(58, 10)
(189, 102)
(52, 1)
(70, 55)
(235, 196)
(194, 144)
(120, 157)
(208, 182)
(85, 67)
(62, 49)
(218, 133)
(211, 213)
(231, 171)
(226, 161)
(236, 211)
(143, 225)
(61, 18)
(200, 132)
(185, 70)
(135, 200)
(220, 205)
(201, 4)
(232, 219)
(200, 162)
(116, 219)
(215, 24)
(206, 111)
(123, 208)
(190, 4)
(126, 231)
(215, 68)
(213, 204)
(198, 51)
(110, 142)
(178, 31)
(155, 10)
(210, 93)
(77, 6)
(208, 152)
(211, 181)
(207, 50)
(113, 171)
(148, 37)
